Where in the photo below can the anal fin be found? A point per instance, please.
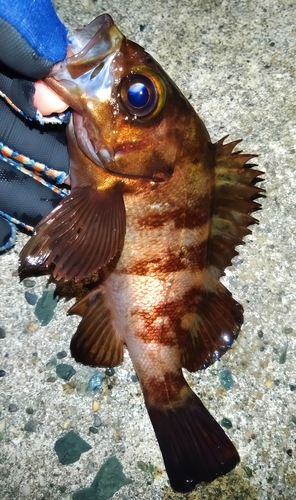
(95, 343)
(81, 235)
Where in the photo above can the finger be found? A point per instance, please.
(46, 100)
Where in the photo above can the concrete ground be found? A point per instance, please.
(235, 61)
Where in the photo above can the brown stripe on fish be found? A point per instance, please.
(168, 321)
(188, 216)
(193, 257)
(155, 389)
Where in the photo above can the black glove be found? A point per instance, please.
(32, 40)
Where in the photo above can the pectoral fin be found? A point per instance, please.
(81, 235)
(95, 342)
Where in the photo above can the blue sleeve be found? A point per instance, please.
(38, 23)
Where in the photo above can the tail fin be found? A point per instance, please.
(194, 446)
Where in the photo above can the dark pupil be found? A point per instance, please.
(138, 95)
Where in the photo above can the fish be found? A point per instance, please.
(154, 213)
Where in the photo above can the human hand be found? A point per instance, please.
(33, 39)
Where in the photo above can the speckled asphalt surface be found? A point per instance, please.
(235, 61)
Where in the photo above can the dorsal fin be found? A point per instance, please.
(233, 202)
(219, 317)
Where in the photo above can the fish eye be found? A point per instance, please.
(138, 95)
(142, 94)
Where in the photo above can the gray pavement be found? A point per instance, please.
(235, 61)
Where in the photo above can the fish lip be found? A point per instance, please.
(83, 141)
(102, 158)
(89, 36)
(89, 46)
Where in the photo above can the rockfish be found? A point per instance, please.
(156, 210)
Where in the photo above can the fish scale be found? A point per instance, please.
(154, 215)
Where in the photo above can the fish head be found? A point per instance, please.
(128, 116)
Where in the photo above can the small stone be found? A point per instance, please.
(62, 489)
(70, 447)
(134, 378)
(226, 379)
(96, 381)
(51, 363)
(51, 379)
(248, 471)
(110, 372)
(32, 326)
(2, 373)
(260, 334)
(292, 387)
(95, 406)
(45, 307)
(2, 333)
(13, 430)
(289, 452)
(30, 426)
(42, 481)
(26, 490)
(61, 354)
(108, 481)
(250, 434)
(67, 424)
(268, 384)
(30, 411)
(97, 420)
(93, 430)
(91, 467)
(12, 408)
(293, 418)
(31, 298)
(28, 283)
(225, 422)
(65, 371)
(142, 465)
(69, 387)
(283, 355)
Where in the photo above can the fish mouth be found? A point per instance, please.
(87, 70)
(102, 158)
(85, 144)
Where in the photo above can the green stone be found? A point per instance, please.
(61, 354)
(225, 422)
(45, 307)
(70, 447)
(51, 363)
(226, 379)
(65, 371)
(108, 481)
(28, 283)
(283, 355)
(30, 426)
